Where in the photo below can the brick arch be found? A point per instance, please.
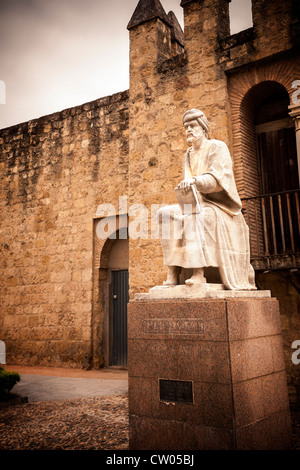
(103, 246)
(247, 88)
(248, 108)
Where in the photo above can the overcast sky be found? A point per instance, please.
(55, 54)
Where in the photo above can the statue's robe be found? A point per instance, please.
(211, 232)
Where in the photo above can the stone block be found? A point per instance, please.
(251, 358)
(272, 433)
(258, 398)
(249, 318)
(222, 361)
(158, 434)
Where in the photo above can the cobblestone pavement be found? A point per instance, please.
(75, 423)
(99, 423)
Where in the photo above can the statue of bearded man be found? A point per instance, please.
(206, 228)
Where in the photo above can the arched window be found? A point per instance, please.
(271, 175)
(277, 152)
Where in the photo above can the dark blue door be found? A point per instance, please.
(119, 317)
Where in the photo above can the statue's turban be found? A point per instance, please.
(199, 116)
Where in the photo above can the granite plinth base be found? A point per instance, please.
(207, 375)
(199, 291)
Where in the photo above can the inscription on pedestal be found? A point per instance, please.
(180, 391)
(173, 326)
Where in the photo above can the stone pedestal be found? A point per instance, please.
(207, 374)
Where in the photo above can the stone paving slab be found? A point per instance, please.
(43, 388)
(110, 373)
(48, 384)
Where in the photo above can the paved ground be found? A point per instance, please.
(76, 410)
(48, 384)
(67, 409)
(111, 373)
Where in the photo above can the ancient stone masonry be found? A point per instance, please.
(213, 71)
(58, 169)
(54, 171)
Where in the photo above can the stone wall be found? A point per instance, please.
(56, 170)
(162, 87)
(214, 73)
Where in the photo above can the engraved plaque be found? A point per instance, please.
(173, 326)
(179, 391)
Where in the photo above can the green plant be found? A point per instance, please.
(7, 381)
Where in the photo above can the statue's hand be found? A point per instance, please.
(185, 185)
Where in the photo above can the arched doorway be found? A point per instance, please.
(271, 174)
(118, 280)
(110, 278)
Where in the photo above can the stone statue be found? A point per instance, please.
(206, 228)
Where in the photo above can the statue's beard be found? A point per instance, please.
(192, 139)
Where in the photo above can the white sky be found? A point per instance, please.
(55, 54)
